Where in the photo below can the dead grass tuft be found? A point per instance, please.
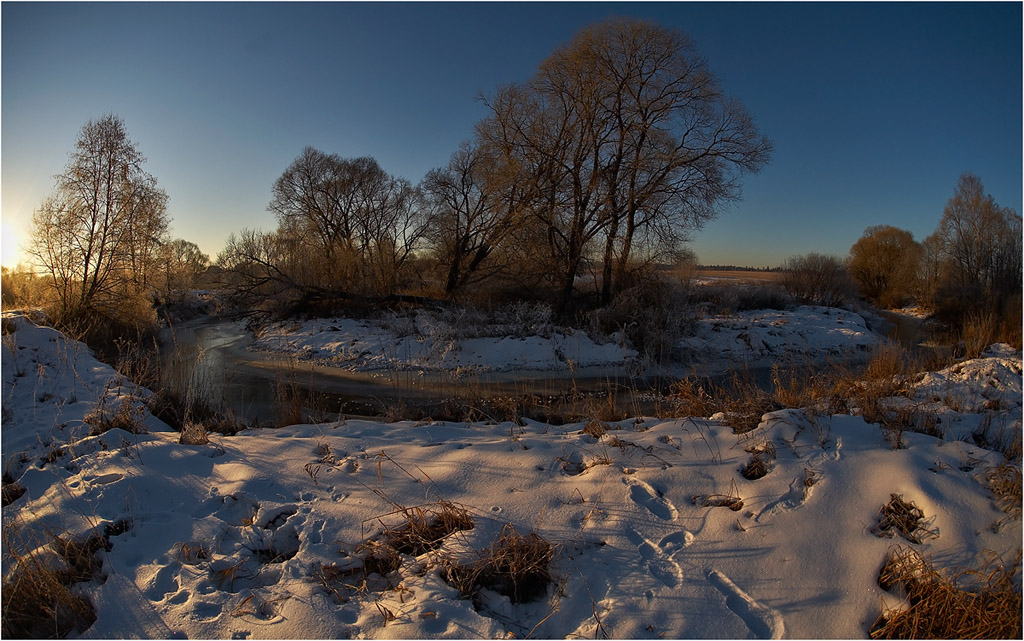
(425, 527)
(37, 598)
(731, 500)
(903, 518)
(193, 434)
(1004, 481)
(940, 608)
(128, 417)
(762, 453)
(515, 566)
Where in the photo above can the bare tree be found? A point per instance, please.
(357, 223)
(622, 136)
(98, 234)
(182, 263)
(978, 246)
(470, 213)
(885, 263)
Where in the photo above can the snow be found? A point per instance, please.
(805, 331)
(230, 539)
(428, 343)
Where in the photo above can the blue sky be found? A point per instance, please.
(875, 109)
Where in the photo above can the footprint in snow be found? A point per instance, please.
(763, 621)
(162, 583)
(658, 562)
(643, 494)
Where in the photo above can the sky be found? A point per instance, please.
(875, 109)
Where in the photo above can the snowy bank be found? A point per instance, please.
(656, 532)
(431, 342)
(803, 332)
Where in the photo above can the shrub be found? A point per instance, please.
(653, 315)
(817, 279)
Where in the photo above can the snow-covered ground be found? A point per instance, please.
(750, 336)
(428, 342)
(274, 533)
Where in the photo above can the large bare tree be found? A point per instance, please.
(624, 136)
(97, 236)
(357, 224)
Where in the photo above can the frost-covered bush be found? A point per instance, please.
(654, 316)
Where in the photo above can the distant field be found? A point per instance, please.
(738, 275)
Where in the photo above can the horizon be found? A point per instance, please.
(874, 109)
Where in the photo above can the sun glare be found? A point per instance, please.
(10, 245)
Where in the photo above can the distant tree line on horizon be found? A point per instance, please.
(577, 189)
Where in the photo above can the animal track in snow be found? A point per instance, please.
(763, 621)
(658, 562)
(643, 494)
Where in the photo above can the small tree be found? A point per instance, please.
(182, 263)
(817, 279)
(977, 247)
(98, 234)
(885, 262)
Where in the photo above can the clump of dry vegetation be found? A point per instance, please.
(943, 608)
(903, 518)
(516, 566)
(1004, 481)
(38, 599)
(731, 500)
(762, 453)
(424, 527)
(127, 417)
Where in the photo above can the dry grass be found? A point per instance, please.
(425, 527)
(128, 417)
(515, 566)
(37, 598)
(762, 453)
(193, 434)
(1004, 481)
(731, 500)
(903, 518)
(940, 608)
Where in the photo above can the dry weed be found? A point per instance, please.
(193, 434)
(1004, 481)
(731, 500)
(904, 518)
(425, 527)
(128, 417)
(939, 608)
(515, 566)
(762, 453)
(37, 597)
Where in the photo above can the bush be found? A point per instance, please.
(817, 279)
(653, 315)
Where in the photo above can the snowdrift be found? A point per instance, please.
(646, 528)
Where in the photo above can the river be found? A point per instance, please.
(212, 359)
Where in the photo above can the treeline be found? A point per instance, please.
(578, 180)
(968, 269)
(967, 273)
